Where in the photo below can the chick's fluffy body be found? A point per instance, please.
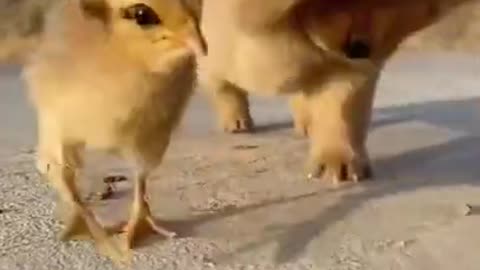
(90, 86)
(107, 80)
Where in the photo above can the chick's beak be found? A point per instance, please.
(193, 39)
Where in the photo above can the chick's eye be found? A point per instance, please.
(142, 14)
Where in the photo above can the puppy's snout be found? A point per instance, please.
(357, 49)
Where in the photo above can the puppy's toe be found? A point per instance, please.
(238, 125)
(336, 168)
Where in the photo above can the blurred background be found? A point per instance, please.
(20, 20)
(460, 31)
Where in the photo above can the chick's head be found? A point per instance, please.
(149, 30)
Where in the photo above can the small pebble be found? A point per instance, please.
(467, 210)
(245, 147)
(404, 243)
(107, 193)
(210, 264)
(248, 267)
(114, 179)
(262, 170)
(400, 244)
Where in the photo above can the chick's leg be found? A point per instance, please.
(79, 221)
(141, 221)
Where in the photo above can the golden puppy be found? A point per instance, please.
(113, 75)
(326, 55)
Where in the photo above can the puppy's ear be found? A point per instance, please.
(97, 9)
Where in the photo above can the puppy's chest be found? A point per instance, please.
(272, 64)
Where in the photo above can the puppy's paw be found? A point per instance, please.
(301, 127)
(237, 123)
(301, 115)
(338, 165)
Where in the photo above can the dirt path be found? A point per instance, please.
(240, 202)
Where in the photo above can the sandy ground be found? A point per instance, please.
(241, 202)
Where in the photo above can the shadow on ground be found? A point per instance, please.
(452, 163)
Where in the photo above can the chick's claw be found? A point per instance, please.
(141, 224)
(82, 225)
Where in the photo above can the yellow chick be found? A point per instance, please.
(112, 75)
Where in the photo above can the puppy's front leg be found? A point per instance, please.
(301, 114)
(339, 120)
(231, 105)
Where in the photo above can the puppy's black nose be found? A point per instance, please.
(357, 49)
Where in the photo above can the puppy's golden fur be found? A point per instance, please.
(297, 47)
(111, 77)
